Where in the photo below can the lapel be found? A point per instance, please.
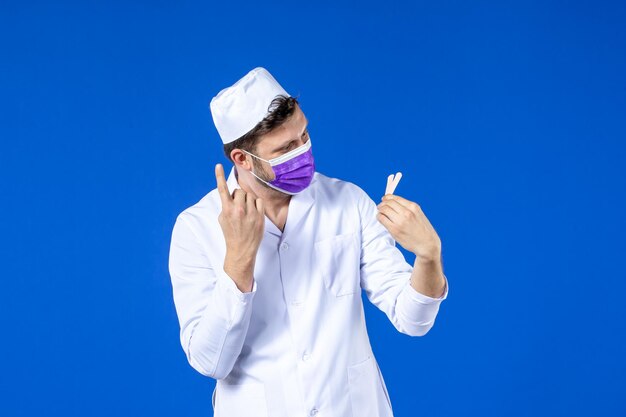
(299, 206)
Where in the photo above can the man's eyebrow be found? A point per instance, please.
(282, 146)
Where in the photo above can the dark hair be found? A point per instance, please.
(281, 109)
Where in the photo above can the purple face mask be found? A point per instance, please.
(293, 171)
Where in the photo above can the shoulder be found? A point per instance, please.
(203, 212)
(338, 188)
(345, 199)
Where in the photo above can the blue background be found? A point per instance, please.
(507, 120)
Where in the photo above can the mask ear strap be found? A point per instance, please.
(257, 157)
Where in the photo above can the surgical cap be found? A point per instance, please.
(239, 108)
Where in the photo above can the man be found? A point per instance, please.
(267, 269)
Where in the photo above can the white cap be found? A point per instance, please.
(237, 109)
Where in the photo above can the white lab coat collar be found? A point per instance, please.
(299, 205)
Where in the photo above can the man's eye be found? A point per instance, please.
(291, 144)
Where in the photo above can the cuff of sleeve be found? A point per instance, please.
(228, 282)
(424, 299)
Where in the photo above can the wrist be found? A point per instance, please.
(239, 265)
(428, 277)
(240, 259)
(429, 259)
(242, 273)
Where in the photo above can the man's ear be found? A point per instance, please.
(241, 159)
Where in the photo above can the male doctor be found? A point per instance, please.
(267, 270)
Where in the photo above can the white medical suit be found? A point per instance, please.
(297, 344)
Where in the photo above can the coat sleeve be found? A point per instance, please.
(386, 276)
(213, 313)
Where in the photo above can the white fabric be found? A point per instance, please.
(240, 107)
(297, 344)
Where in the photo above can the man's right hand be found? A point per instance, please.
(242, 220)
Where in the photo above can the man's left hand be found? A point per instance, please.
(409, 226)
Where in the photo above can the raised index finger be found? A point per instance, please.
(222, 188)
